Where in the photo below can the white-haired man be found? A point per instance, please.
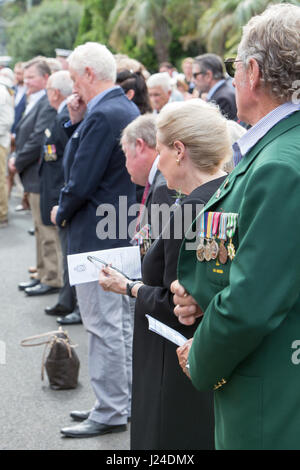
(95, 174)
(246, 348)
(160, 90)
(59, 87)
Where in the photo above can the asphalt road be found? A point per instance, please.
(31, 414)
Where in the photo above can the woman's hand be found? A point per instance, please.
(111, 280)
(183, 354)
(187, 309)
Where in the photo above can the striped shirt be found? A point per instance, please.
(260, 129)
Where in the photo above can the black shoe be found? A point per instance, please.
(57, 309)
(73, 318)
(41, 289)
(83, 415)
(80, 415)
(89, 428)
(29, 284)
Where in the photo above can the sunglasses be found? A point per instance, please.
(230, 66)
(195, 75)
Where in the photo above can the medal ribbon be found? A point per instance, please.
(231, 224)
(222, 226)
(209, 225)
(215, 224)
(201, 234)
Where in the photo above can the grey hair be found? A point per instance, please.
(62, 82)
(201, 127)
(97, 57)
(143, 127)
(161, 79)
(273, 40)
(211, 62)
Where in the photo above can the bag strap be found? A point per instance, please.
(43, 335)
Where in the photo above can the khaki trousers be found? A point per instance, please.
(48, 248)
(3, 185)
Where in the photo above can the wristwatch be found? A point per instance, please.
(129, 287)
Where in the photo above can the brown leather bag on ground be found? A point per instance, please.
(62, 363)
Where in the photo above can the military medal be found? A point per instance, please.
(214, 247)
(200, 247)
(223, 255)
(230, 231)
(207, 248)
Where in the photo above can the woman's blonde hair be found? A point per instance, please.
(201, 127)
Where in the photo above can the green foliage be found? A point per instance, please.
(220, 27)
(93, 25)
(51, 25)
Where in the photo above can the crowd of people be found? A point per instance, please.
(219, 144)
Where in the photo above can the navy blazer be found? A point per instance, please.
(95, 174)
(29, 140)
(224, 97)
(19, 110)
(51, 169)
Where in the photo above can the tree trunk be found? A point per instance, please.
(162, 39)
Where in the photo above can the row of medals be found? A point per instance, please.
(209, 249)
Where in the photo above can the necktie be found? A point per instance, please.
(145, 194)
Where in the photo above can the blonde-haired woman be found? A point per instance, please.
(167, 412)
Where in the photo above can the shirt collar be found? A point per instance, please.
(61, 106)
(94, 101)
(153, 170)
(260, 129)
(214, 89)
(34, 97)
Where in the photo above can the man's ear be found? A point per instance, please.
(139, 145)
(253, 73)
(90, 74)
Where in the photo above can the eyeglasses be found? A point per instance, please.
(230, 66)
(195, 75)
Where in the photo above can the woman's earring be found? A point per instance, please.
(178, 161)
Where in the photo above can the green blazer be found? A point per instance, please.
(247, 348)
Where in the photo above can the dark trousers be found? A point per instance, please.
(67, 294)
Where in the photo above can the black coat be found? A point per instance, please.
(29, 140)
(51, 170)
(167, 411)
(224, 97)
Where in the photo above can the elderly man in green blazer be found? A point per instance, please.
(247, 347)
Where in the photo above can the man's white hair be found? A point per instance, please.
(161, 79)
(97, 57)
(62, 82)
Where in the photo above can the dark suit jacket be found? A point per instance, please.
(29, 140)
(224, 97)
(95, 174)
(159, 193)
(156, 372)
(19, 110)
(51, 169)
